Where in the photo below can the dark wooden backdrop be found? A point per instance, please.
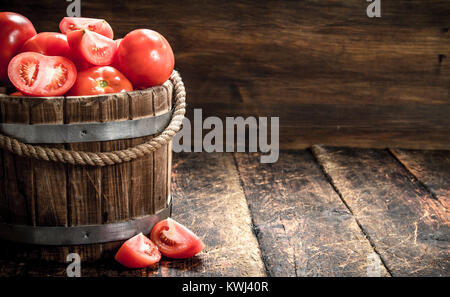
(332, 75)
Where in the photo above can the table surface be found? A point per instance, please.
(324, 211)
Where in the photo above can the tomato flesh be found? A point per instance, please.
(34, 74)
(100, 80)
(92, 47)
(99, 26)
(138, 252)
(49, 44)
(175, 240)
(15, 29)
(146, 58)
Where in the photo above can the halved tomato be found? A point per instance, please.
(92, 47)
(175, 240)
(99, 26)
(138, 252)
(49, 44)
(34, 74)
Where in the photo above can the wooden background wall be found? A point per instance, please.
(332, 75)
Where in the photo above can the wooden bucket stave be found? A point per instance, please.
(42, 193)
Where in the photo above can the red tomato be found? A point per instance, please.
(34, 74)
(16, 94)
(80, 62)
(100, 80)
(138, 252)
(99, 26)
(114, 62)
(15, 29)
(92, 47)
(175, 240)
(49, 44)
(146, 58)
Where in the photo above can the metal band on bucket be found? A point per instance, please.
(79, 235)
(87, 132)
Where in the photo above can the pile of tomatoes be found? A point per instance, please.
(83, 59)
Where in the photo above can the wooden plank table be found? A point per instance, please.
(320, 212)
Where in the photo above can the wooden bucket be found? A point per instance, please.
(49, 209)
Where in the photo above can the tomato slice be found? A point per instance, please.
(100, 80)
(34, 74)
(175, 240)
(99, 26)
(49, 44)
(138, 252)
(92, 47)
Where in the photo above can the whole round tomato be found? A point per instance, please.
(34, 74)
(146, 58)
(49, 44)
(15, 29)
(175, 240)
(100, 80)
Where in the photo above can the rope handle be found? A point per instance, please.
(101, 159)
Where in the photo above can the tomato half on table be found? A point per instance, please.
(146, 58)
(92, 47)
(100, 80)
(34, 74)
(49, 44)
(175, 240)
(99, 26)
(138, 252)
(15, 29)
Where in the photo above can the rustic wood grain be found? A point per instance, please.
(302, 225)
(332, 75)
(141, 191)
(17, 197)
(53, 194)
(160, 159)
(17, 193)
(84, 190)
(208, 199)
(407, 226)
(115, 179)
(432, 168)
(50, 180)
